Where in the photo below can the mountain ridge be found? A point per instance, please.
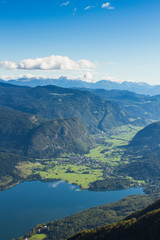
(54, 102)
(29, 135)
(141, 88)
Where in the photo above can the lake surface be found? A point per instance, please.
(30, 203)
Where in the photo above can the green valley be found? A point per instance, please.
(79, 120)
(100, 164)
(76, 136)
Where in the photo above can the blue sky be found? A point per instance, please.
(87, 39)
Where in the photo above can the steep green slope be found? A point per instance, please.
(142, 108)
(22, 133)
(57, 136)
(143, 153)
(55, 102)
(143, 225)
(14, 126)
(25, 137)
(147, 140)
(91, 218)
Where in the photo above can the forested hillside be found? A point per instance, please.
(142, 225)
(144, 154)
(55, 102)
(142, 108)
(90, 218)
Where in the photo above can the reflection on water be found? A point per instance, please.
(30, 203)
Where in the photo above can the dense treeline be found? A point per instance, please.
(143, 225)
(112, 183)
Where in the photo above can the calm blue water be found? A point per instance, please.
(30, 203)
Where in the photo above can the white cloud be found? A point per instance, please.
(8, 65)
(49, 63)
(27, 77)
(53, 62)
(88, 7)
(6, 77)
(107, 5)
(86, 64)
(65, 3)
(87, 77)
(111, 78)
(74, 11)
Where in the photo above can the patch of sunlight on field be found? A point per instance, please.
(37, 237)
(95, 153)
(27, 168)
(79, 175)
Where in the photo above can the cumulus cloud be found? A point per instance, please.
(53, 62)
(65, 3)
(111, 78)
(86, 64)
(87, 77)
(107, 5)
(26, 77)
(49, 63)
(8, 65)
(6, 77)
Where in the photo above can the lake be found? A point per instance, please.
(29, 203)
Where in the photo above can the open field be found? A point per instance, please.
(99, 164)
(37, 237)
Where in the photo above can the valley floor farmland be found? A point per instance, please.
(98, 166)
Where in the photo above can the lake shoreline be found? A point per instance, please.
(33, 202)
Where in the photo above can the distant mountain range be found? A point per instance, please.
(141, 88)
